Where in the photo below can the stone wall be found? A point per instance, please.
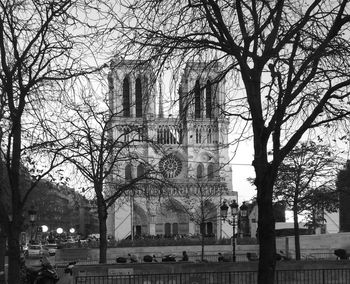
(112, 253)
(311, 243)
(189, 267)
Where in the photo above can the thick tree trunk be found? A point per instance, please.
(102, 217)
(267, 241)
(202, 244)
(14, 252)
(103, 241)
(16, 203)
(296, 235)
(266, 227)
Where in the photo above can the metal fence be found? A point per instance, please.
(309, 276)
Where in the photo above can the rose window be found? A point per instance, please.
(170, 166)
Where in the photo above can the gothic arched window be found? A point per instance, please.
(210, 172)
(138, 95)
(128, 175)
(210, 228)
(202, 228)
(209, 136)
(126, 97)
(167, 229)
(200, 171)
(140, 170)
(197, 100)
(198, 135)
(208, 100)
(175, 228)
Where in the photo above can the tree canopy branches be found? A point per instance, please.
(291, 58)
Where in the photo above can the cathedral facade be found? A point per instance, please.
(189, 150)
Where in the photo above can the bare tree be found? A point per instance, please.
(289, 57)
(201, 205)
(306, 183)
(40, 48)
(99, 154)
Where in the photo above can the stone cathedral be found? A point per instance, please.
(189, 150)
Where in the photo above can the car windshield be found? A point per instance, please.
(34, 247)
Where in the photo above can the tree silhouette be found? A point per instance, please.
(286, 62)
(98, 155)
(40, 52)
(306, 183)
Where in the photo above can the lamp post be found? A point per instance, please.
(59, 231)
(44, 230)
(234, 211)
(32, 218)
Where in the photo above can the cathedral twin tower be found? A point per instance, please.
(190, 150)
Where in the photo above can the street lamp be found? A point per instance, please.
(59, 231)
(32, 218)
(234, 211)
(44, 228)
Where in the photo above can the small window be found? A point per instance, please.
(167, 229)
(202, 228)
(140, 170)
(200, 171)
(126, 97)
(197, 100)
(198, 135)
(175, 228)
(208, 100)
(138, 96)
(160, 135)
(210, 228)
(209, 136)
(128, 175)
(210, 172)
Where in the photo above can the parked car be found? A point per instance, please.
(52, 248)
(94, 237)
(70, 240)
(36, 251)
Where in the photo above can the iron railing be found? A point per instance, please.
(304, 276)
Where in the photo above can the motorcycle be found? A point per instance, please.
(46, 274)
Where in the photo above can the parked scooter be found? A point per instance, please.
(67, 277)
(46, 274)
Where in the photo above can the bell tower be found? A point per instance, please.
(131, 90)
(201, 104)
